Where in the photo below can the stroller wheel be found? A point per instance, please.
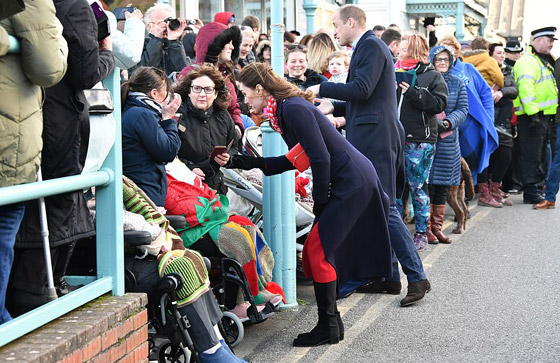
(233, 328)
(173, 353)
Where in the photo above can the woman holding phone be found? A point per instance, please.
(349, 239)
(206, 129)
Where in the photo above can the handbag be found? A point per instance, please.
(99, 99)
(502, 131)
(298, 158)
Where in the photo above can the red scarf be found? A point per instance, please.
(406, 64)
(270, 112)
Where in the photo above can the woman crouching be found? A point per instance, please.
(349, 239)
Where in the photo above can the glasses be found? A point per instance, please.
(198, 89)
(441, 60)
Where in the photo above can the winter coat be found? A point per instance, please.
(503, 110)
(41, 63)
(166, 54)
(311, 78)
(66, 128)
(346, 181)
(486, 65)
(148, 142)
(128, 45)
(370, 109)
(421, 103)
(200, 131)
(223, 17)
(210, 41)
(446, 167)
(477, 136)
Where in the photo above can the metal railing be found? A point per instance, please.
(110, 254)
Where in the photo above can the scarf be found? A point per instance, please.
(150, 102)
(270, 113)
(406, 64)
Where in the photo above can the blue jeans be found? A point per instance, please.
(10, 219)
(404, 250)
(553, 179)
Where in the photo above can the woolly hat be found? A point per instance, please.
(211, 40)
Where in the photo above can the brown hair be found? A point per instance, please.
(251, 21)
(417, 47)
(294, 48)
(306, 40)
(339, 54)
(320, 48)
(352, 11)
(209, 70)
(144, 79)
(260, 73)
(479, 43)
(452, 43)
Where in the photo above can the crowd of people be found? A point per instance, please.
(377, 113)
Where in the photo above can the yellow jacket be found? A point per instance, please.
(537, 86)
(487, 66)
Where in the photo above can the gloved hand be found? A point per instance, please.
(535, 121)
(443, 125)
(245, 162)
(318, 209)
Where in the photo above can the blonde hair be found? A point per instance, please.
(452, 43)
(339, 54)
(320, 49)
(417, 47)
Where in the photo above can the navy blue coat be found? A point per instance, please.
(353, 225)
(446, 168)
(147, 144)
(370, 109)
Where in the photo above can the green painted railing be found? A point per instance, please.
(110, 258)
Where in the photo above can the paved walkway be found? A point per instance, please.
(495, 298)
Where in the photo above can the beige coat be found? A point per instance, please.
(41, 63)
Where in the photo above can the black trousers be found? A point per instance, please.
(438, 194)
(500, 161)
(532, 143)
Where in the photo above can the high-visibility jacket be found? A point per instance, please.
(537, 86)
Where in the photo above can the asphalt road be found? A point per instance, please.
(495, 298)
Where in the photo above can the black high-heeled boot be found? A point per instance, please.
(326, 330)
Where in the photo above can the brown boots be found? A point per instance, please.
(434, 234)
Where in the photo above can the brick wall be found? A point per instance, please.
(109, 329)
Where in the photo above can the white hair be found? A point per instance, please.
(246, 30)
(158, 7)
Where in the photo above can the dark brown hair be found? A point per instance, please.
(306, 40)
(260, 73)
(480, 43)
(144, 79)
(209, 70)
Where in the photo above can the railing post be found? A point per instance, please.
(109, 203)
(279, 190)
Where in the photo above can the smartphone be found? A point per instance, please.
(103, 30)
(220, 150)
(119, 12)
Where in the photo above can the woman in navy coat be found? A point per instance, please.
(349, 239)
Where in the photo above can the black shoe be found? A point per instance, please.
(64, 288)
(416, 291)
(327, 329)
(380, 287)
(512, 191)
(340, 326)
(533, 199)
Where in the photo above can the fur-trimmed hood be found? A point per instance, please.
(212, 38)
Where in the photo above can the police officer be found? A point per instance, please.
(535, 108)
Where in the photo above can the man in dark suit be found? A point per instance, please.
(372, 126)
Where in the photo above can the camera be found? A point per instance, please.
(174, 24)
(191, 22)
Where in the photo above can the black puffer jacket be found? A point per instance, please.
(422, 103)
(168, 55)
(503, 110)
(200, 131)
(66, 128)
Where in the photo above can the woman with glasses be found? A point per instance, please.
(296, 66)
(420, 98)
(149, 132)
(446, 168)
(205, 124)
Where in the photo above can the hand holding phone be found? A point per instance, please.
(218, 150)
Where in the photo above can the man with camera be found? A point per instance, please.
(163, 47)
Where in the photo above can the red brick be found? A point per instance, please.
(109, 338)
(102, 358)
(141, 352)
(91, 349)
(137, 338)
(129, 358)
(125, 328)
(117, 351)
(140, 319)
